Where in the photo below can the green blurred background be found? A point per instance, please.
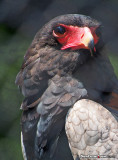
(19, 22)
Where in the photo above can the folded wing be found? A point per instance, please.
(92, 131)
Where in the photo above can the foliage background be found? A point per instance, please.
(19, 22)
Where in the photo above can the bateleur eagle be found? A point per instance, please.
(65, 63)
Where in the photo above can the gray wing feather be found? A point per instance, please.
(61, 94)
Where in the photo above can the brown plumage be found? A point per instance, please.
(53, 79)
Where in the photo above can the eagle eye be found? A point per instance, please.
(59, 30)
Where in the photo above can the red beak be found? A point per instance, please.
(81, 39)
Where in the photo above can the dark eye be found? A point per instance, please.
(59, 30)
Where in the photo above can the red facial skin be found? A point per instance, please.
(74, 36)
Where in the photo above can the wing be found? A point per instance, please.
(61, 94)
(91, 130)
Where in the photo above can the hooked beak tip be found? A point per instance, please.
(91, 46)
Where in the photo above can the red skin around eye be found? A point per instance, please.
(73, 36)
